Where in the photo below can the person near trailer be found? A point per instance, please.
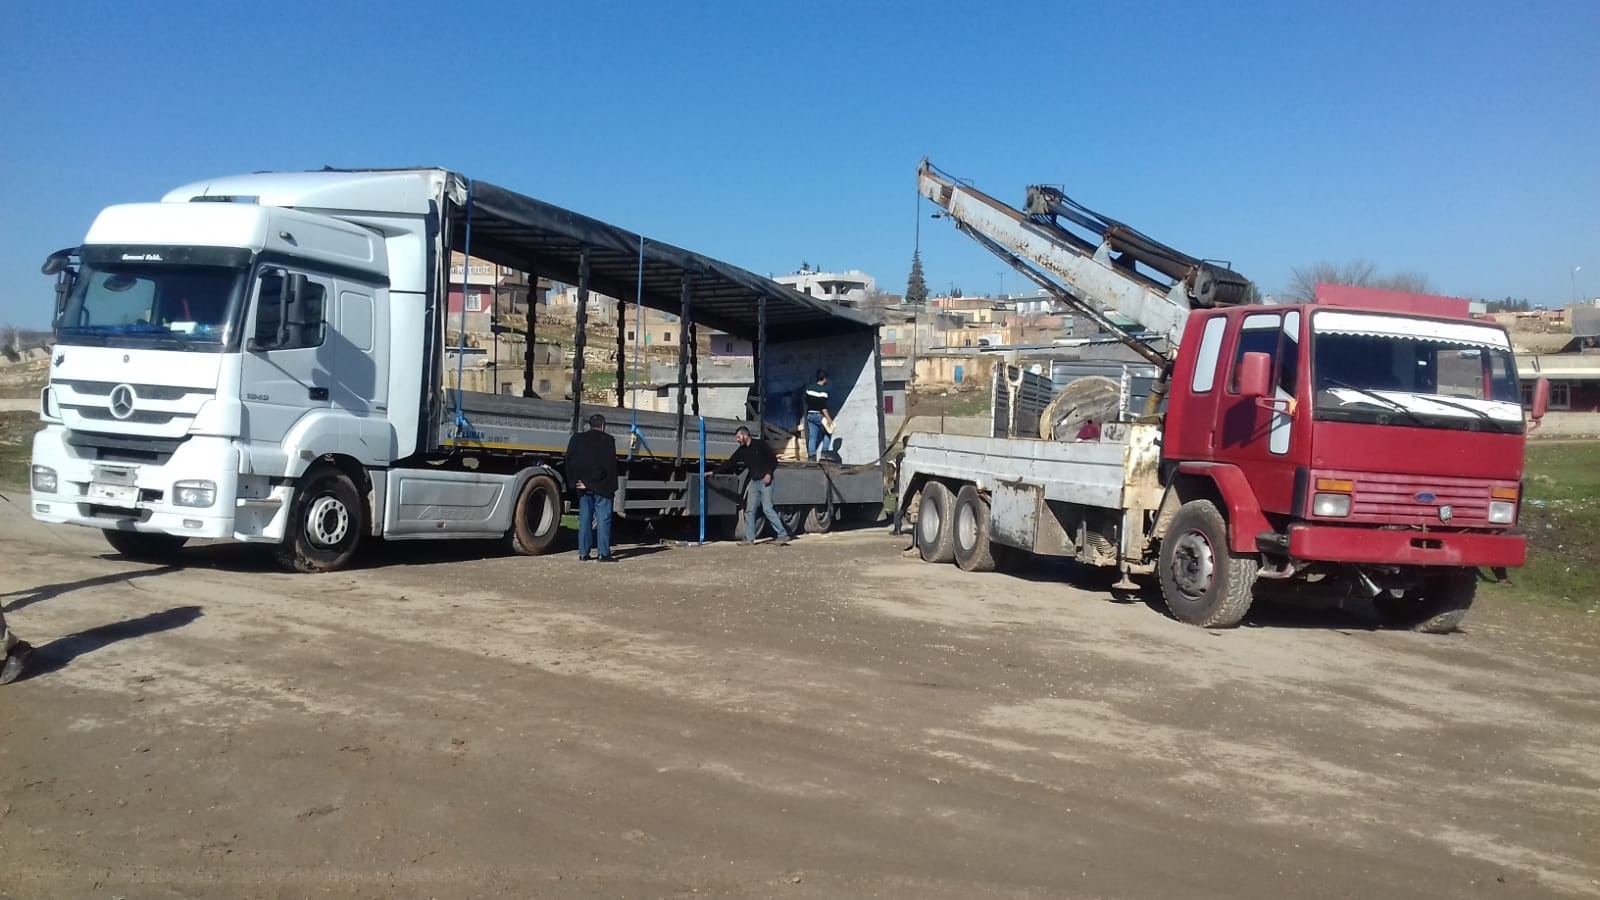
(15, 653)
(592, 472)
(819, 422)
(761, 462)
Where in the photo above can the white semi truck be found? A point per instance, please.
(261, 358)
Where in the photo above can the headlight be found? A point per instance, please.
(44, 479)
(197, 494)
(1502, 512)
(1334, 506)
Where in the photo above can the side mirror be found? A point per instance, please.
(1255, 375)
(56, 262)
(1541, 398)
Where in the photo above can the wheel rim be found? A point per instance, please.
(966, 527)
(929, 522)
(541, 512)
(1194, 564)
(328, 521)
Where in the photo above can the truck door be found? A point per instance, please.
(287, 355)
(1259, 437)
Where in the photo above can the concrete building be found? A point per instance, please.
(838, 287)
(482, 285)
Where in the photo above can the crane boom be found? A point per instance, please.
(1093, 278)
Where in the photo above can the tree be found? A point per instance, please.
(1303, 280)
(916, 285)
(1509, 305)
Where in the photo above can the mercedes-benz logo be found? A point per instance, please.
(122, 398)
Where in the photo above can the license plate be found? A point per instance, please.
(114, 493)
(110, 476)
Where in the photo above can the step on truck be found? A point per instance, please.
(1363, 446)
(266, 358)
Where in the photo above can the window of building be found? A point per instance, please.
(1560, 395)
(888, 404)
(505, 388)
(666, 337)
(474, 302)
(544, 385)
(630, 334)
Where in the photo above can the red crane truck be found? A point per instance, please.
(1335, 450)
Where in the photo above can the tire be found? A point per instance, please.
(935, 524)
(536, 521)
(970, 530)
(763, 527)
(1202, 582)
(143, 547)
(326, 522)
(1436, 606)
(820, 518)
(794, 519)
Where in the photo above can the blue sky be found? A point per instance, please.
(1458, 139)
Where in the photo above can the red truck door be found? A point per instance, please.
(1261, 438)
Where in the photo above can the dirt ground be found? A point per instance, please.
(818, 721)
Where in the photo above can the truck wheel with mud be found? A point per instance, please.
(1202, 581)
(142, 547)
(1436, 606)
(820, 518)
(536, 522)
(936, 523)
(793, 518)
(326, 522)
(971, 531)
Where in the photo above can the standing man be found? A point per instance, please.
(592, 472)
(817, 416)
(14, 651)
(760, 460)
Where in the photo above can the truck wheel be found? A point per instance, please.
(536, 522)
(794, 519)
(936, 523)
(820, 518)
(1437, 606)
(142, 547)
(971, 531)
(325, 523)
(1202, 581)
(763, 527)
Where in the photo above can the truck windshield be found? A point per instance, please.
(182, 307)
(1421, 372)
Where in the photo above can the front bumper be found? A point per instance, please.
(1405, 548)
(150, 507)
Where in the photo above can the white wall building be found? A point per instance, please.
(839, 287)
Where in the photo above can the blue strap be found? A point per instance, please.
(463, 428)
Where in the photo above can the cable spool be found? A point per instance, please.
(1090, 397)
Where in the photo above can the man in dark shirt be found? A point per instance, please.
(592, 472)
(761, 462)
(819, 422)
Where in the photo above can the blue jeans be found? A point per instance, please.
(760, 496)
(594, 514)
(816, 435)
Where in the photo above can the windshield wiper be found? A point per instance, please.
(1391, 404)
(1477, 412)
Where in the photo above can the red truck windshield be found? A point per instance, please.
(1384, 369)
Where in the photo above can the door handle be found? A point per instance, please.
(319, 393)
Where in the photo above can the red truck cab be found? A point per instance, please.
(1356, 432)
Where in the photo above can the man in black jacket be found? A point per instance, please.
(762, 462)
(592, 472)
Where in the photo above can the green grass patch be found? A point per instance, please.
(971, 406)
(16, 447)
(1561, 517)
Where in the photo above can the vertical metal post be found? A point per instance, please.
(702, 479)
(694, 368)
(761, 367)
(527, 347)
(622, 351)
(684, 350)
(580, 339)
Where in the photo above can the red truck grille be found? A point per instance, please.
(1387, 498)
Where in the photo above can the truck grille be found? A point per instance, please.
(1416, 500)
(125, 448)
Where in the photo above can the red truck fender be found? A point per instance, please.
(1245, 520)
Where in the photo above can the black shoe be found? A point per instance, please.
(608, 559)
(11, 669)
(586, 559)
